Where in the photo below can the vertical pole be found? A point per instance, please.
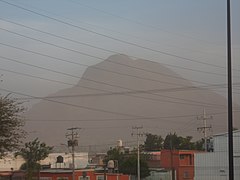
(138, 156)
(171, 150)
(230, 118)
(73, 142)
(73, 162)
(205, 130)
(138, 134)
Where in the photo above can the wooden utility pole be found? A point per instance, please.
(72, 136)
(138, 134)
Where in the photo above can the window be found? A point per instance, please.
(182, 156)
(62, 178)
(100, 177)
(45, 178)
(185, 174)
(83, 178)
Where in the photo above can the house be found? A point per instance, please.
(10, 162)
(180, 162)
(83, 174)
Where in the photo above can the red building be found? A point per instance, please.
(86, 174)
(181, 163)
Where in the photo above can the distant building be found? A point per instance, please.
(12, 163)
(214, 165)
(84, 174)
(81, 160)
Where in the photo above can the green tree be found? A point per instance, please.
(32, 153)
(129, 166)
(11, 123)
(153, 142)
(127, 163)
(173, 141)
(199, 145)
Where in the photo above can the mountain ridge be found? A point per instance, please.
(118, 102)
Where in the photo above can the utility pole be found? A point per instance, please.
(138, 134)
(229, 78)
(72, 136)
(172, 165)
(204, 128)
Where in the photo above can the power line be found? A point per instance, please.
(110, 37)
(39, 67)
(95, 109)
(99, 58)
(139, 91)
(207, 104)
(140, 23)
(60, 59)
(9, 59)
(100, 48)
(74, 105)
(116, 93)
(115, 31)
(158, 118)
(108, 92)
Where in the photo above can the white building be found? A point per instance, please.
(214, 165)
(81, 160)
(9, 162)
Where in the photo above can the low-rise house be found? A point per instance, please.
(179, 162)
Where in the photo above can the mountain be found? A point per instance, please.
(118, 93)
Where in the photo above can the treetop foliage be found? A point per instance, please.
(11, 123)
(32, 153)
(171, 141)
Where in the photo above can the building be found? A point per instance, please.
(154, 159)
(84, 174)
(12, 163)
(81, 160)
(180, 162)
(214, 165)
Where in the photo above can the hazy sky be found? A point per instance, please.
(193, 29)
(56, 40)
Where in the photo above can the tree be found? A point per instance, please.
(199, 145)
(127, 163)
(32, 153)
(11, 122)
(173, 141)
(129, 166)
(153, 142)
